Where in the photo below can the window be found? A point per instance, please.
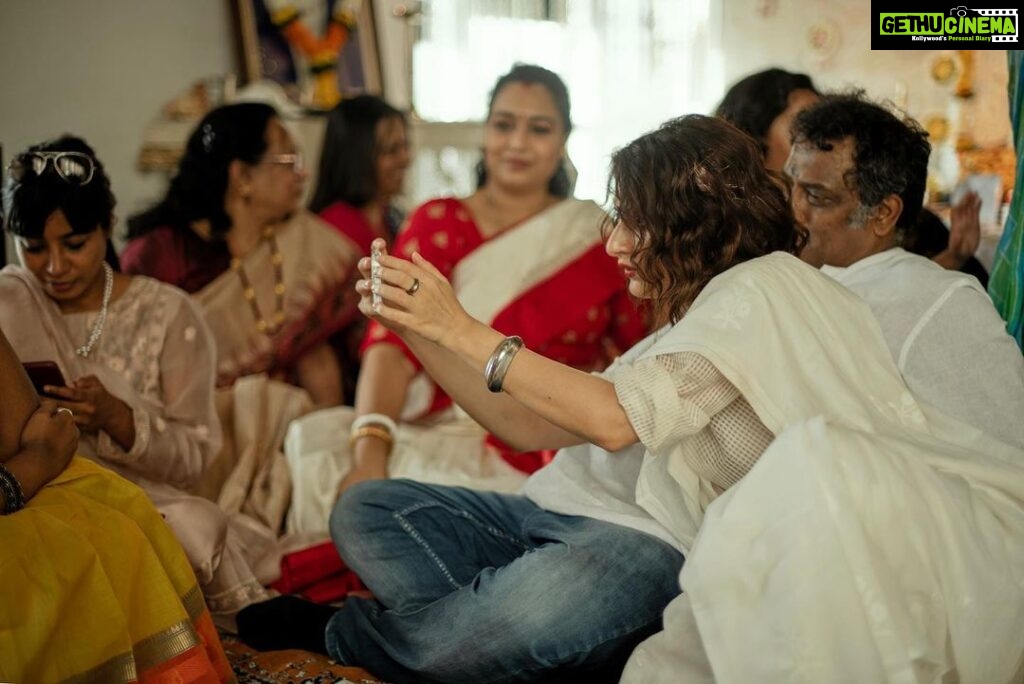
(629, 65)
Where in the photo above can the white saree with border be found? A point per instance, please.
(875, 540)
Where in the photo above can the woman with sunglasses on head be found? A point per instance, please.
(135, 353)
(271, 279)
(362, 170)
(522, 254)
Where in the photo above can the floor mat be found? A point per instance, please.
(279, 667)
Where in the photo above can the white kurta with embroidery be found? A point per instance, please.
(155, 354)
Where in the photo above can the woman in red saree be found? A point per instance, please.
(362, 169)
(523, 256)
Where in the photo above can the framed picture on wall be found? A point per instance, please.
(317, 50)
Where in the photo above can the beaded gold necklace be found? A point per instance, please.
(249, 292)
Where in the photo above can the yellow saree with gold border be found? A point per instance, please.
(95, 588)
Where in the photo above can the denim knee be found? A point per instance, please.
(357, 511)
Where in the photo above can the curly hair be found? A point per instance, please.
(697, 198)
(890, 155)
(753, 103)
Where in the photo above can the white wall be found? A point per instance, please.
(102, 69)
(392, 43)
(758, 34)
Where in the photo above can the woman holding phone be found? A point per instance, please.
(135, 352)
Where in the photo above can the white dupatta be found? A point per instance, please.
(875, 539)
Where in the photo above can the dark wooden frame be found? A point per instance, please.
(247, 45)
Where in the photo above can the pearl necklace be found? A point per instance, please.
(249, 292)
(97, 327)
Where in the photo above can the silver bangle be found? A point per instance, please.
(501, 359)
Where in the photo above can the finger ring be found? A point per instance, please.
(64, 409)
(414, 287)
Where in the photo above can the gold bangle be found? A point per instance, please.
(372, 431)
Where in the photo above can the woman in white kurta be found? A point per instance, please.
(135, 354)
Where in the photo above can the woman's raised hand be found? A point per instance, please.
(415, 297)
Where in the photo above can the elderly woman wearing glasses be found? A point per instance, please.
(271, 279)
(136, 360)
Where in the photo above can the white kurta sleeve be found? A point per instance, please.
(175, 442)
(683, 396)
(670, 396)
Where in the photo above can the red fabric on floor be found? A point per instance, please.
(318, 574)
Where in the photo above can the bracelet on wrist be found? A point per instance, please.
(372, 431)
(14, 496)
(498, 365)
(379, 419)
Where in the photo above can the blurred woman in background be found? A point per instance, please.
(271, 279)
(362, 169)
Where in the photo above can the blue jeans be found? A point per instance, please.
(482, 587)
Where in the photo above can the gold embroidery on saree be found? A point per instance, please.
(194, 603)
(118, 670)
(165, 645)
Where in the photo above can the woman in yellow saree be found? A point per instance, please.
(93, 583)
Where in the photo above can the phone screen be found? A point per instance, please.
(43, 373)
(375, 276)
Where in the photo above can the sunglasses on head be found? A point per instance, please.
(74, 167)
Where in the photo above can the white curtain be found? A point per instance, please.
(629, 65)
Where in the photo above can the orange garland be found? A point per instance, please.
(322, 54)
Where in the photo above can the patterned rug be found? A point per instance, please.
(279, 667)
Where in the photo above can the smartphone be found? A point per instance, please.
(43, 373)
(375, 275)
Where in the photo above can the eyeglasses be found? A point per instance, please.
(76, 168)
(295, 160)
